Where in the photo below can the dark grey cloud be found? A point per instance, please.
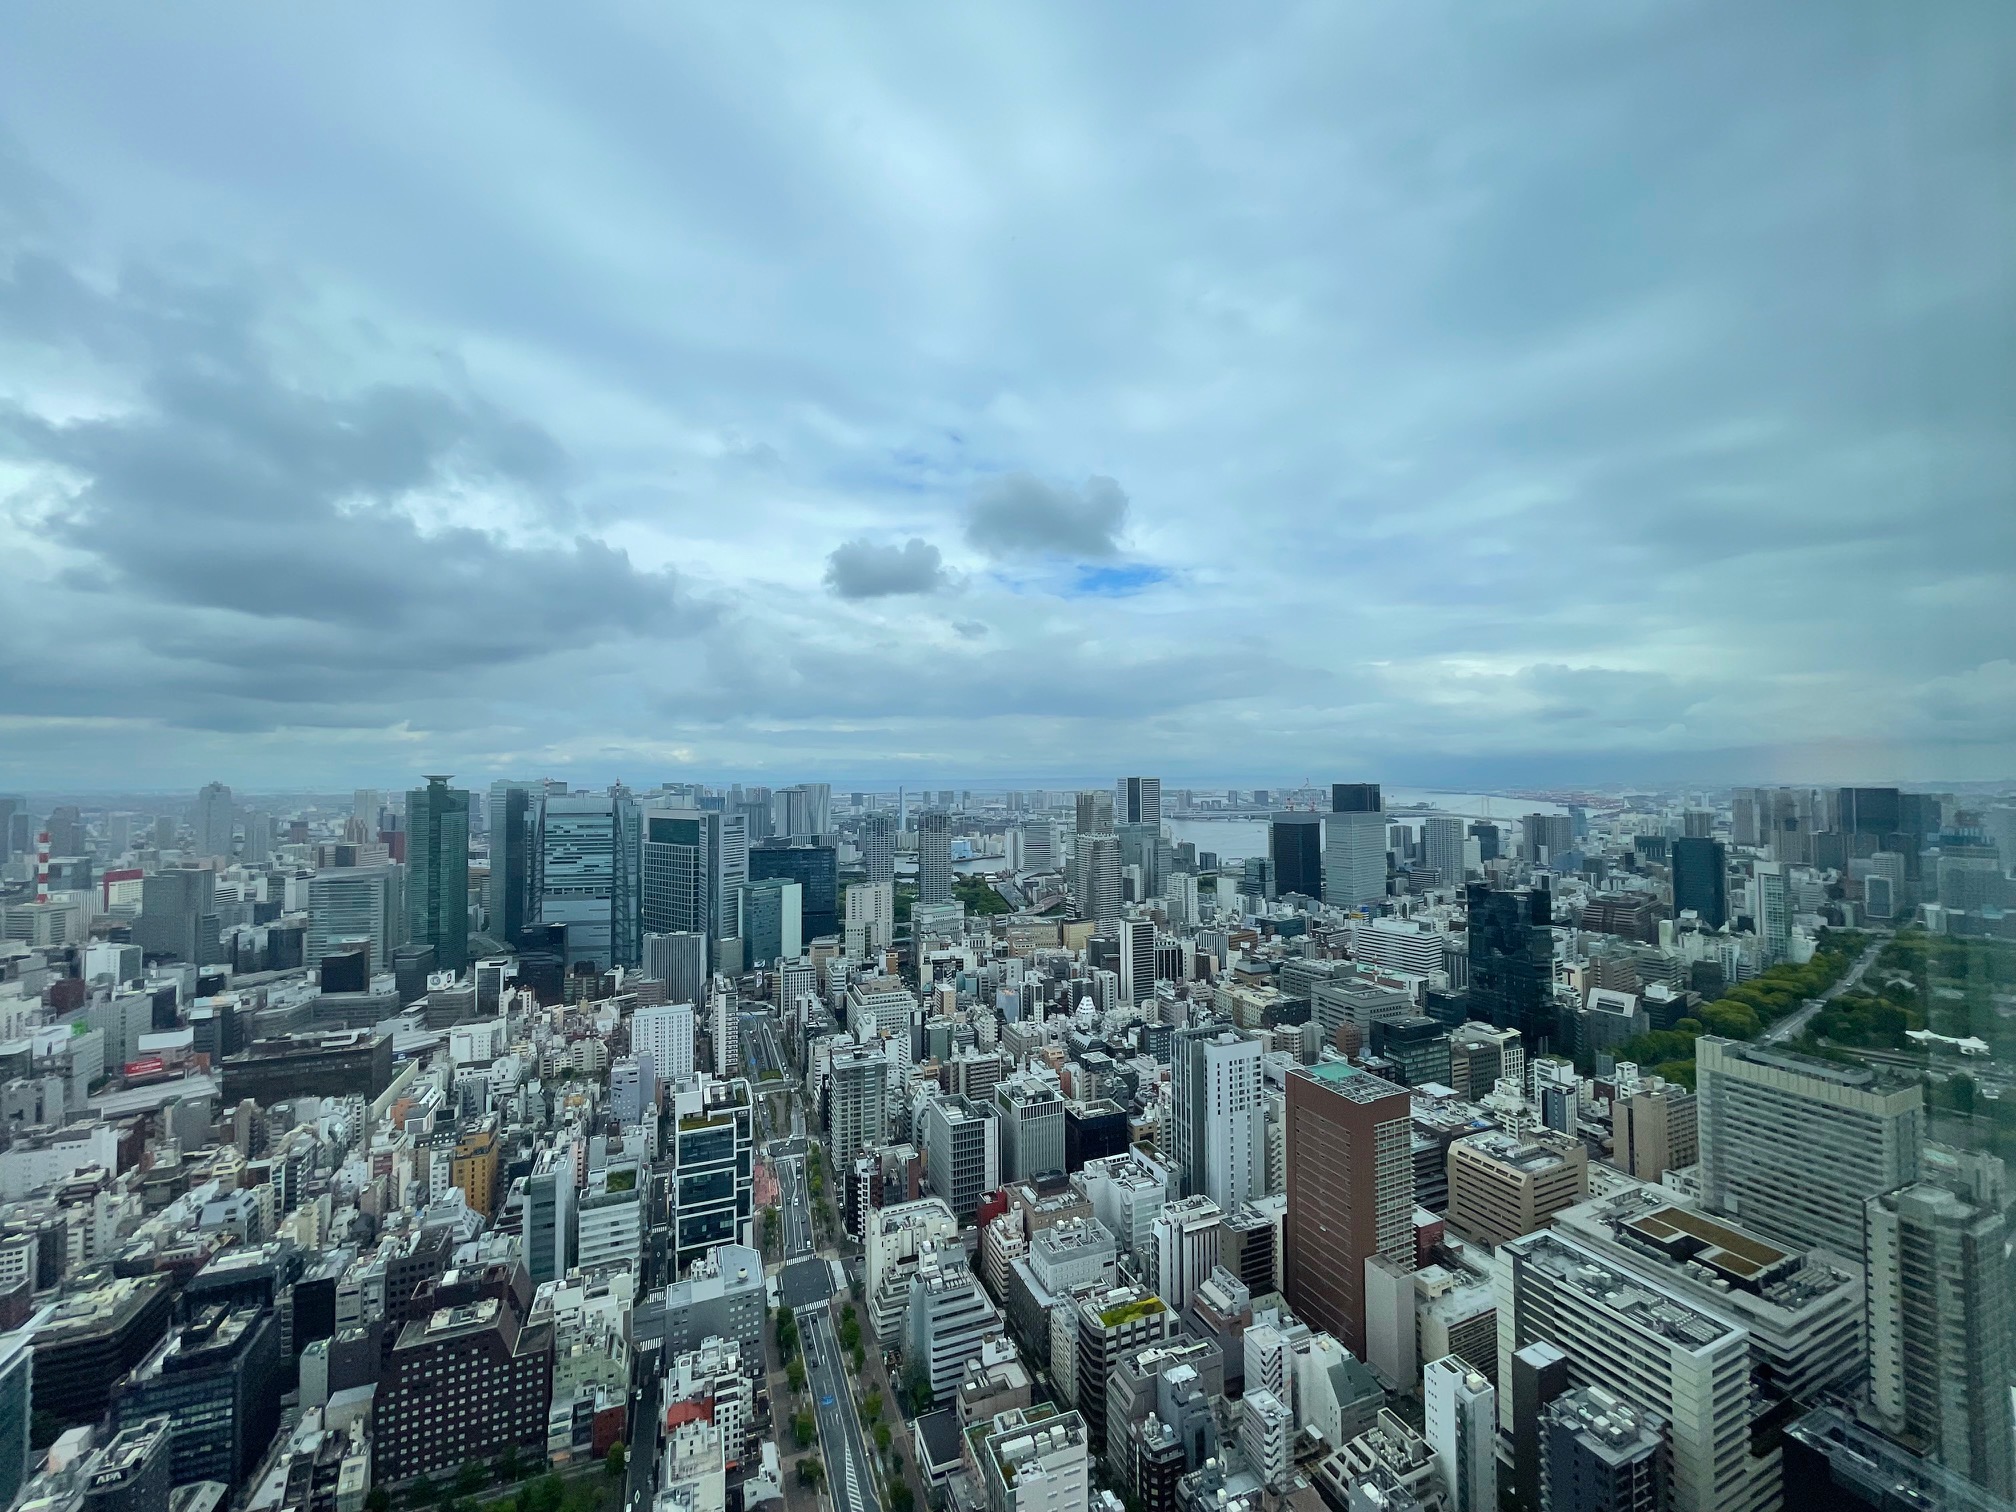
(1022, 516)
(865, 569)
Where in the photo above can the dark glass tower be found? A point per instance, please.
(815, 867)
(1701, 880)
(1295, 846)
(1512, 962)
(437, 872)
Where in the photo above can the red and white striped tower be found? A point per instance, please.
(42, 867)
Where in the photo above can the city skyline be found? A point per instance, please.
(887, 399)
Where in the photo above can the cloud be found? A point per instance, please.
(1022, 516)
(864, 570)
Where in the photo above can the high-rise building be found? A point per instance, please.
(1701, 879)
(1218, 1114)
(1138, 800)
(1502, 1186)
(212, 819)
(1094, 813)
(962, 1160)
(1774, 909)
(1761, 1110)
(712, 1191)
(815, 866)
(17, 1406)
(1442, 847)
(512, 810)
(679, 960)
(1350, 1192)
(870, 921)
(178, 916)
(1295, 846)
(695, 862)
(1032, 1128)
(437, 872)
(661, 1036)
(1600, 1454)
(1834, 1462)
(857, 1091)
(878, 847)
(351, 904)
(1137, 960)
(934, 856)
(589, 855)
(1462, 1430)
(257, 848)
(1638, 1339)
(1512, 961)
(1940, 1285)
(773, 918)
(1099, 877)
(1655, 1125)
(802, 811)
(1354, 848)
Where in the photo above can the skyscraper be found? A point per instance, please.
(589, 855)
(1774, 909)
(1219, 1115)
(1547, 837)
(1701, 880)
(1137, 960)
(512, 809)
(1761, 1112)
(437, 872)
(815, 866)
(878, 847)
(1512, 962)
(1939, 1313)
(694, 863)
(934, 856)
(1354, 852)
(773, 918)
(1095, 813)
(1099, 877)
(1442, 848)
(1295, 846)
(679, 960)
(212, 820)
(1350, 1192)
(1138, 800)
(662, 1035)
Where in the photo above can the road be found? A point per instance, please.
(1795, 1024)
(645, 1423)
(850, 1481)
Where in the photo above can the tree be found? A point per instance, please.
(378, 1499)
(469, 1479)
(548, 1492)
(900, 1499)
(509, 1465)
(804, 1428)
(917, 1386)
(871, 1406)
(858, 1360)
(423, 1491)
(882, 1438)
(794, 1372)
(614, 1463)
(810, 1471)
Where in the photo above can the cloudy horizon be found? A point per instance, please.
(1449, 397)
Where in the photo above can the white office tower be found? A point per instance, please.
(1408, 945)
(950, 1316)
(1354, 846)
(857, 1101)
(1187, 1235)
(1442, 846)
(1219, 1114)
(1127, 1192)
(1267, 1436)
(1137, 800)
(1039, 846)
(1099, 893)
(1762, 1114)
(895, 1236)
(661, 1037)
(1774, 910)
(1624, 1330)
(611, 1217)
(724, 1014)
(258, 849)
(1137, 960)
(1180, 898)
(213, 818)
(1462, 1430)
(1939, 1314)
(870, 926)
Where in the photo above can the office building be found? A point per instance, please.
(878, 848)
(1036, 1459)
(1138, 800)
(1295, 847)
(1625, 1331)
(1218, 1118)
(1462, 1431)
(1654, 1125)
(802, 811)
(549, 1216)
(97, 1337)
(934, 856)
(1186, 1235)
(1145, 850)
(1032, 1128)
(720, 1297)
(1137, 960)
(1547, 837)
(178, 916)
(470, 1378)
(1442, 840)
(1111, 1323)
(1502, 1186)
(1094, 813)
(1350, 1192)
(437, 872)
(511, 819)
(772, 918)
(1098, 866)
(1701, 880)
(218, 1381)
(1354, 846)
(661, 1036)
(609, 1218)
(1939, 1314)
(870, 924)
(589, 856)
(1759, 1108)
(1835, 1463)
(857, 1090)
(695, 863)
(17, 1409)
(1774, 910)
(950, 1317)
(334, 1063)
(814, 865)
(961, 1152)
(212, 820)
(1512, 962)
(713, 1150)
(1600, 1454)
(679, 960)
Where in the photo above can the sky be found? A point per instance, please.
(1432, 393)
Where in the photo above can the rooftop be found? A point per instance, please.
(1618, 1291)
(1344, 1078)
